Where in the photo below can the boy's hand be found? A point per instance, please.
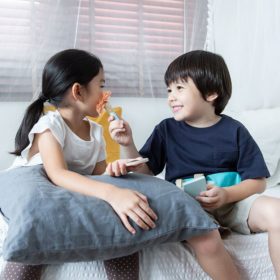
(120, 131)
(118, 168)
(213, 198)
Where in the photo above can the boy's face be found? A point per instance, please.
(187, 103)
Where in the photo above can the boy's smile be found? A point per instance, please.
(176, 108)
(187, 104)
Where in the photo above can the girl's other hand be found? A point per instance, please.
(134, 205)
(120, 131)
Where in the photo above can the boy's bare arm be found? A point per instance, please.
(215, 197)
(245, 189)
(120, 132)
(130, 151)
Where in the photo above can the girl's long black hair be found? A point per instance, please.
(60, 72)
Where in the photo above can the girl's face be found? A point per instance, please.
(93, 93)
(187, 103)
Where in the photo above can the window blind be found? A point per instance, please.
(136, 40)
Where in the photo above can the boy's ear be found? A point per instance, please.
(76, 92)
(212, 96)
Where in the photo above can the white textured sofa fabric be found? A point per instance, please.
(174, 261)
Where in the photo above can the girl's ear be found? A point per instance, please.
(211, 96)
(76, 92)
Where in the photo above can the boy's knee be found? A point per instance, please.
(273, 221)
(264, 215)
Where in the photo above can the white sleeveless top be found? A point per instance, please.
(80, 155)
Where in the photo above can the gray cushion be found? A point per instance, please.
(48, 224)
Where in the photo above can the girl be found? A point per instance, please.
(73, 81)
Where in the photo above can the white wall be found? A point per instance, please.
(142, 114)
(11, 114)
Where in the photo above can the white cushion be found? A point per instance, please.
(264, 126)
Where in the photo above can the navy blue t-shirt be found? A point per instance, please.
(187, 150)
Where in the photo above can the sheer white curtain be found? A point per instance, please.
(135, 39)
(247, 34)
(196, 20)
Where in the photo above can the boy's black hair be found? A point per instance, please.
(208, 72)
(60, 72)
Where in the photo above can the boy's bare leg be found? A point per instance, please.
(213, 257)
(264, 216)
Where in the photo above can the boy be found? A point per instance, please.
(199, 139)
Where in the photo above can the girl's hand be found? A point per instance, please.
(134, 205)
(118, 168)
(213, 198)
(120, 131)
